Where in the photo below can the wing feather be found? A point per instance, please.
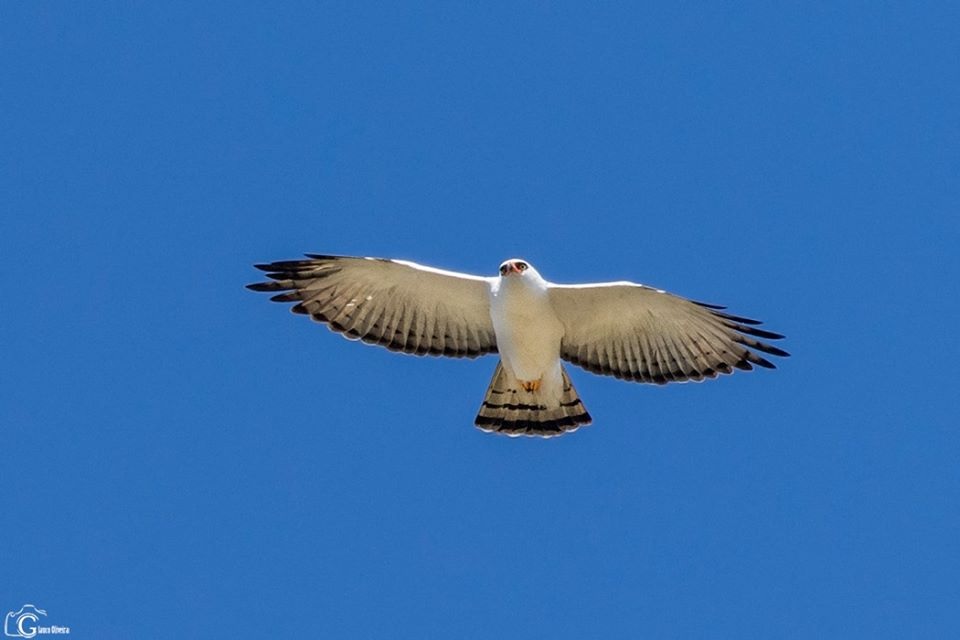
(397, 304)
(635, 332)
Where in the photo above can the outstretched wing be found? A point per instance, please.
(401, 305)
(634, 332)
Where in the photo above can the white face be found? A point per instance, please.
(514, 266)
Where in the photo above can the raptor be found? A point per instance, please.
(622, 329)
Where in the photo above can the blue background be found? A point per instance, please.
(181, 458)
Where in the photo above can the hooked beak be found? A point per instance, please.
(511, 268)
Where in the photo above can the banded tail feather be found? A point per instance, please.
(510, 410)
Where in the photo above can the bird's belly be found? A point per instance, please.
(528, 339)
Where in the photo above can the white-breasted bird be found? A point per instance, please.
(627, 330)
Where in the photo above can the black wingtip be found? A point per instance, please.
(740, 319)
(708, 305)
(763, 362)
(759, 333)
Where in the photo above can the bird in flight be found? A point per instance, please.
(621, 329)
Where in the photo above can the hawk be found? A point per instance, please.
(621, 329)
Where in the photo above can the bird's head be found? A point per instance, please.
(516, 267)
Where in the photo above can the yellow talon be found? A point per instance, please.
(531, 385)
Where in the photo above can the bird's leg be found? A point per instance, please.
(531, 385)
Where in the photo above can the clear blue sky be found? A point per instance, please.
(182, 458)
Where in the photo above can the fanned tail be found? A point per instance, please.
(510, 410)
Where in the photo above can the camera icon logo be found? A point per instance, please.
(23, 623)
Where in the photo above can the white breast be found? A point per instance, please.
(527, 329)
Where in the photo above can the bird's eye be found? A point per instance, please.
(522, 266)
(503, 269)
